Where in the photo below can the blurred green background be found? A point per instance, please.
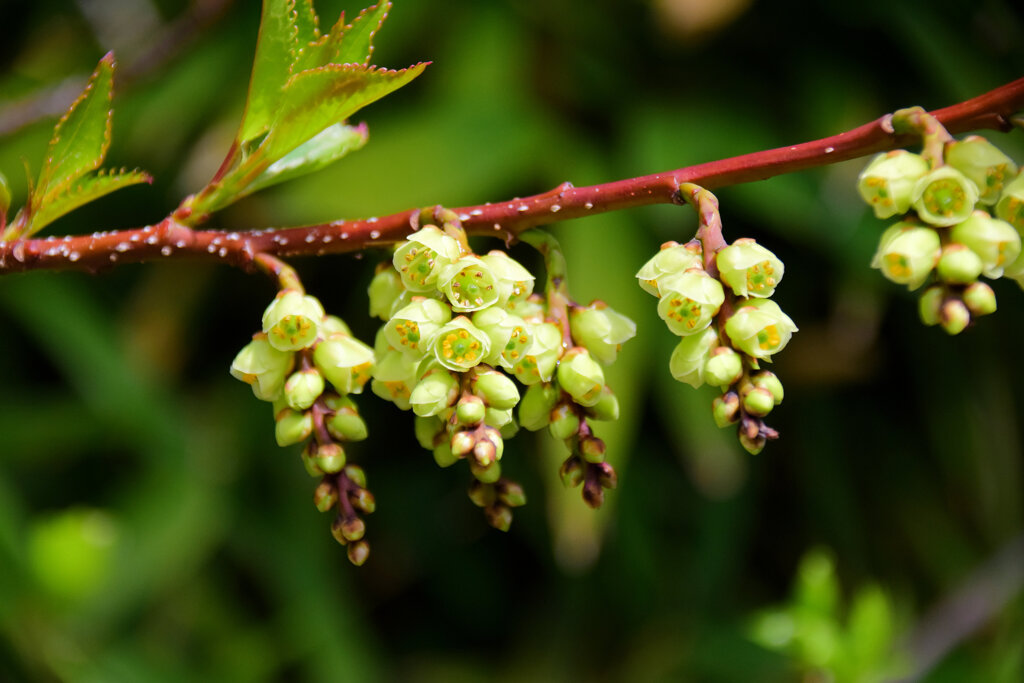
(150, 529)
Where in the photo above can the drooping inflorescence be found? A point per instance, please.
(459, 331)
(946, 235)
(307, 363)
(716, 297)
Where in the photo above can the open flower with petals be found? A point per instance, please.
(421, 257)
(689, 301)
(749, 269)
(469, 284)
(263, 366)
(759, 328)
(460, 345)
(292, 321)
(672, 258)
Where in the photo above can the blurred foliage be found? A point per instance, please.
(150, 530)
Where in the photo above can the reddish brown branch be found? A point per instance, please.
(169, 239)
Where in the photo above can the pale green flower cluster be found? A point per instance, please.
(947, 233)
(720, 345)
(307, 363)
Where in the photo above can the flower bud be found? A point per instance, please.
(356, 474)
(564, 422)
(672, 258)
(470, 410)
(752, 445)
(303, 388)
(462, 443)
(1010, 206)
(929, 306)
(592, 449)
(499, 419)
(394, 376)
(262, 366)
(487, 474)
(443, 455)
(330, 458)
(292, 427)
(358, 552)
(723, 367)
(536, 406)
(499, 517)
(726, 409)
(954, 316)
(572, 472)
(607, 406)
(758, 402)
(749, 269)
(420, 259)
(427, 429)
(413, 327)
(979, 299)
(996, 242)
(907, 253)
(460, 345)
(959, 264)
(435, 391)
(495, 388)
(689, 300)
(601, 330)
(346, 362)
(385, 290)
(363, 501)
(760, 328)
(292, 321)
(532, 309)
(581, 376)
(344, 422)
(766, 379)
(593, 494)
(888, 180)
(325, 496)
(510, 493)
(489, 447)
(944, 196)
(309, 460)
(482, 495)
(539, 360)
(983, 163)
(690, 356)
(515, 282)
(469, 284)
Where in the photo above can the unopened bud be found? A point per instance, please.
(726, 409)
(723, 367)
(330, 457)
(499, 517)
(959, 264)
(363, 500)
(462, 443)
(443, 455)
(510, 493)
(564, 422)
(292, 427)
(325, 496)
(752, 445)
(592, 449)
(487, 474)
(770, 381)
(483, 495)
(980, 299)
(357, 475)
(470, 410)
(358, 553)
(593, 493)
(930, 305)
(606, 475)
(572, 471)
(607, 406)
(955, 316)
(758, 402)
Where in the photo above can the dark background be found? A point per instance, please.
(150, 529)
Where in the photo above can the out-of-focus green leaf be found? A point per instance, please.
(323, 149)
(83, 191)
(870, 631)
(321, 97)
(276, 48)
(817, 588)
(81, 137)
(70, 553)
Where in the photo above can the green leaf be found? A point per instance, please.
(318, 98)
(352, 44)
(67, 198)
(276, 49)
(323, 149)
(82, 136)
(306, 22)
